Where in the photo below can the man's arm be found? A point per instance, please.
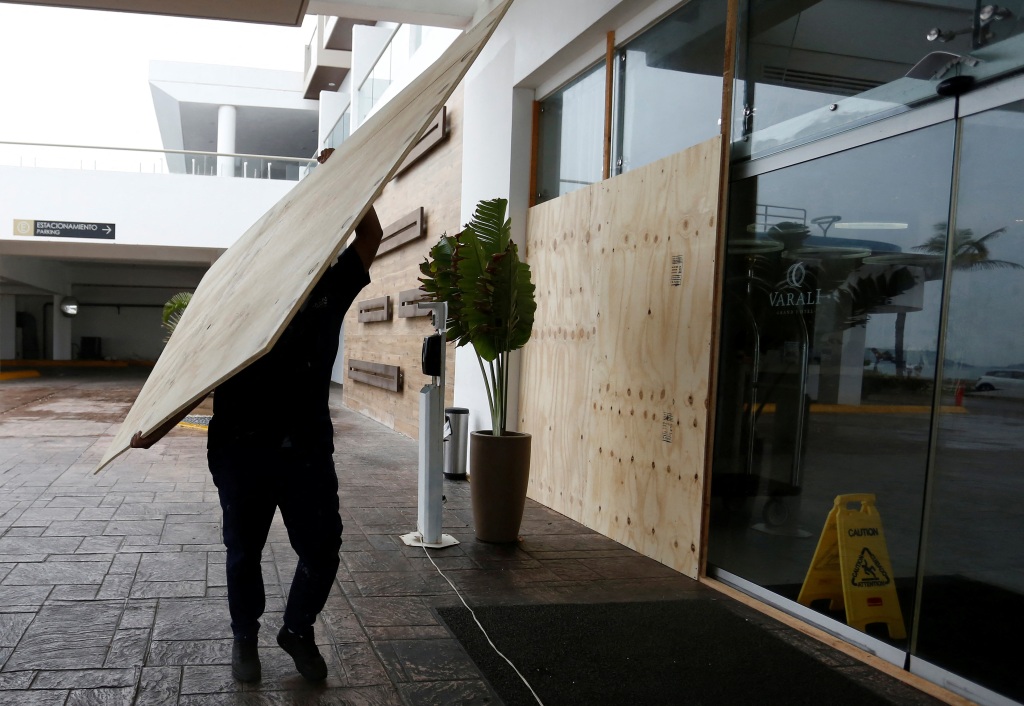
(144, 442)
(368, 231)
(368, 237)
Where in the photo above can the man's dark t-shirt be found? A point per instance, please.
(282, 398)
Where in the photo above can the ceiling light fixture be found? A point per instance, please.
(850, 225)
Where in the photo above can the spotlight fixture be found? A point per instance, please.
(987, 14)
(69, 306)
(941, 35)
(990, 13)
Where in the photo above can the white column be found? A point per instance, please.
(61, 331)
(227, 118)
(8, 327)
(851, 370)
(338, 371)
(488, 133)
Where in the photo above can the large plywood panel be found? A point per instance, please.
(615, 380)
(251, 293)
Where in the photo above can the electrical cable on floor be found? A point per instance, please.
(479, 625)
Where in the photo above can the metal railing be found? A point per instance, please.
(116, 159)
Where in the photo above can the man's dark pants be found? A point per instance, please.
(251, 484)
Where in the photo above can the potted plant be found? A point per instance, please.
(491, 306)
(173, 310)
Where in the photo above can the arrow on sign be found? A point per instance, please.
(107, 230)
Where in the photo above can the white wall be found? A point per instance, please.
(147, 209)
(367, 45)
(486, 170)
(525, 58)
(126, 333)
(174, 213)
(8, 309)
(61, 342)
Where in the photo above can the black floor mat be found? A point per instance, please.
(967, 627)
(673, 652)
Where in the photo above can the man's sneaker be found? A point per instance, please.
(303, 650)
(245, 661)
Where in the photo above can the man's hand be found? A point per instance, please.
(368, 237)
(324, 154)
(144, 442)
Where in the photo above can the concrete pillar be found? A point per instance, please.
(8, 327)
(851, 372)
(227, 117)
(61, 331)
(490, 129)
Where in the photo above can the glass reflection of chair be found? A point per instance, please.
(748, 297)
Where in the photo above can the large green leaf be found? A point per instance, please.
(439, 281)
(490, 295)
(173, 310)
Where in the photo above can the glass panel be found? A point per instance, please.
(828, 357)
(341, 129)
(671, 86)
(973, 591)
(570, 150)
(807, 69)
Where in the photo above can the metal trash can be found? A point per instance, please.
(456, 440)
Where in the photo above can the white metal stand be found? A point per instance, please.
(431, 452)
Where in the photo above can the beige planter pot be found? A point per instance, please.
(499, 472)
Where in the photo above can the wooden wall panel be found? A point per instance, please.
(615, 380)
(434, 182)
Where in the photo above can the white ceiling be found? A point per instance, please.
(441, 13)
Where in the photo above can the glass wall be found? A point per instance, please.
(379, 78)
(670, 85)
(340, 132)
(871, 339)
(972, 598)
(668, 96)
(829, 354)
(808, 69)
(570, 152)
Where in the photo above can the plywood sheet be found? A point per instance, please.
(615, 379)
(251, 293)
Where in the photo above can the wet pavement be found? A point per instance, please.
(112, 586)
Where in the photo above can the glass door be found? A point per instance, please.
(873, 347)
(971, 607)
(829, 363)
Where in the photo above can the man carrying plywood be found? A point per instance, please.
(270, 417)
(270, 446)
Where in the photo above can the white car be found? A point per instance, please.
(1000, 380)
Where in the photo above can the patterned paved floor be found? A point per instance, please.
(112, 585)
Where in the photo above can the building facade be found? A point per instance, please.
(862, 350)
(777, 253)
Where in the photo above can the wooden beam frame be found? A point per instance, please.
(437, 132)
(387, 377)
(408, 303)
(732, 22)
(412, 226)
(371, 310)
(609, 102)
(534, 154)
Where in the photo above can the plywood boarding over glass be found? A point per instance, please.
(615, 379)
(251, 293)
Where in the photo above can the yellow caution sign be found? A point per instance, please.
(851, 567)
